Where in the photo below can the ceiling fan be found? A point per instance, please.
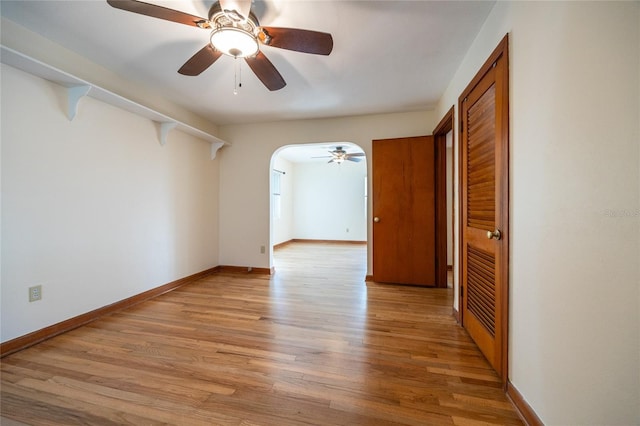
(339, 155)
(236, 32)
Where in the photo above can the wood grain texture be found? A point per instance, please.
(456, 314)
(312, 344)
(481, 289)
(480, 147)
(440, 144)
(300, 240)
(484, 206)
(304, 240)
(403, 188)
(27, 340)
(245, 270)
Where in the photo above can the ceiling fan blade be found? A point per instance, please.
(298, 40)
(265, 71)
(356, 154)
(199, 62)
(159, 12)
(354, 159)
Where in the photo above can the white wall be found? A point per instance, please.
(574, 349)
(244, 171)
(95, 210)
(329, 201)
(283, 226)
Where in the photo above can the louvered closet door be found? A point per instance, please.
(482, 178)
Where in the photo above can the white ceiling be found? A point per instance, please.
(389, 56)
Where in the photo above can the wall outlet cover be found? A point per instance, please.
(35, 293)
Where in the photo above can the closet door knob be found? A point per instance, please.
(494, 234)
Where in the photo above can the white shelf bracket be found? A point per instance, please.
(165, 128)
(74, 94)
(215, 146)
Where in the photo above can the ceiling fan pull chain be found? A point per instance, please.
(237, 75)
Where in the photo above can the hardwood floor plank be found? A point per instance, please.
(313, 344)
(51, 409)
(133, 379)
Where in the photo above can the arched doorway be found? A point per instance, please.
(318, 197)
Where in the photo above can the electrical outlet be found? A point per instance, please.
(262, 249)
(35, 293)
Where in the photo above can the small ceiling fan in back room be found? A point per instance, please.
(236, 32)
(339, 155)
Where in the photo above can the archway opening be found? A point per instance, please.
(319, 197)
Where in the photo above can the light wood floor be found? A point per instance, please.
(313, 344)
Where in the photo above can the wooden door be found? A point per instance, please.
(484, 158)
(404, 211)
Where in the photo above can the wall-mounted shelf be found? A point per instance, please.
(78, 88)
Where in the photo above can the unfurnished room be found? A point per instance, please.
(319, 212)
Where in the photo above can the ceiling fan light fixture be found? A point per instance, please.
(234, 42)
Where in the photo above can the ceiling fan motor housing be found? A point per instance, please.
(232, 36)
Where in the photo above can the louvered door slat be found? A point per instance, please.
(481, 163)
(484, 296)
(484, 278)
(481, 297)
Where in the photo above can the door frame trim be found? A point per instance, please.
(502, 50)
(440, 146)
